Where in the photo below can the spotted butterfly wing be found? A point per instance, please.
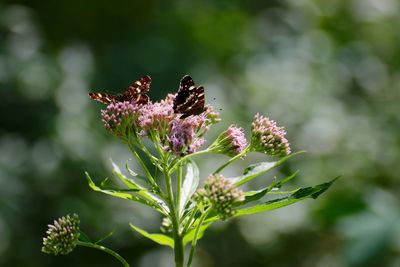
(189, 99)
(136, 92)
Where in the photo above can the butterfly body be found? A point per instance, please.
(189, 99)
(136, 92)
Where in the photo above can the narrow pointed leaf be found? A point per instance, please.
(190, 235)
(158, 238)
(301, 194)
(130, 183)
(84, 237)
(189, 184)
(104, 237)
(131, 172)
(260, 168)
(121, 194)
(134, 174)
(108, 192)
(256, 195)
(280, 183)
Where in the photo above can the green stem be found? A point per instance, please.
(144, 167)
(241, 154)
(153, 159)
(189, 222)
(194, 241)
(178, 242)
(135, 140)
(155, 138)
(178, 188)
(107, 250)
(146, 170)
(179, 162)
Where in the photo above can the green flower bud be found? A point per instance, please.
(221, 194)
(62, 235)
(267, 137)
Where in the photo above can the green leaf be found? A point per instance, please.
(158, 238)
(108, 192)
(133, 185)
(128, 182)
(301, 194)
(104, 182)
(189, 184)
(131, 172)
(256, 195)
(104, 238)
(134, 174)
(313, 192)
(123, 195)
(280, 183)
(260, 168)
(84, 237)
(190, 235)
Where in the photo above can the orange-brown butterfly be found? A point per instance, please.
(136, 92)
(189, 99)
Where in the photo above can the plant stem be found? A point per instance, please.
(189, 222)
(178, 189)
(107, 250)
(178, 163)
(178, 242)
(152, 158)
(241, 154)
(144, 167)
(194, 241)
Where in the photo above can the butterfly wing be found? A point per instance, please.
(137, 91)
(189, 99)
(186, 83)
(103, 97)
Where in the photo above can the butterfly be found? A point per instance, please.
(189, 99)
(136, 92)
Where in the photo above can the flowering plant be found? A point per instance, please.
(175, 139)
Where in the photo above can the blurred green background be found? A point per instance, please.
(326, 70)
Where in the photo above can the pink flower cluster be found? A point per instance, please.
(236, 138)
(117, 113)
(156, 116)
(268, 137)
(183, 137)
(158, 120)
(231, 142)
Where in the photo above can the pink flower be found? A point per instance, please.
(182, 138)
(212, 116)
(119, 114)
(268, 137)
(231, 142)
(156, 116)
(196, 144)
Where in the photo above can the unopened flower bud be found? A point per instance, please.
(221, 194)
(267, 137)
(62, 235)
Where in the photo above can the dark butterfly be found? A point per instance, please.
(136, 92)
(189, 99)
